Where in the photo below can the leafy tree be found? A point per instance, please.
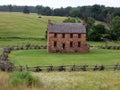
(26, 10)
(115, 33)
(98, 32)
(10, 8)
(75, 12)
(109, 19)
(72, 20)
(59, 12)
(90, 24)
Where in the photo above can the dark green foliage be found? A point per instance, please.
(116, 28)
(98, 32)
(75, 12)
(26, 10)
(23, 78)
(90, 24)
(98, 12)
(72, 20)
(43, 10)
(10, 8)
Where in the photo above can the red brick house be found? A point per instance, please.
(67, 37)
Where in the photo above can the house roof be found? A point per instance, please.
(66, 28)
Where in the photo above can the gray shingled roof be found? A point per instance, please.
(66, 28)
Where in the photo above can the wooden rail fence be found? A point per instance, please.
(69, 68)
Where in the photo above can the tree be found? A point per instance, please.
(10, 8)
(98, 32)
(72, 20)
(115, 33)
(90, 24)
(26, 10)
(75, 12)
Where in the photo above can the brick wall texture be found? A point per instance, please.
(60, 44)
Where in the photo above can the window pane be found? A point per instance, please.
(71, 35)
(71, 44)
(79, 44)
(63, 35)
(79, 35)
(55, 35)
(55, 43)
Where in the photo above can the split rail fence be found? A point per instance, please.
(69, 68)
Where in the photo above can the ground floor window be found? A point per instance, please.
(63, 45)
(71, 44)
(55, 43)
(79, 44)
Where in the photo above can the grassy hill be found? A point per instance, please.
(20, 29)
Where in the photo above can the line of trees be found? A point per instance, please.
(98, 12)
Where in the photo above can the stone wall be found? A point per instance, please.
(60, 41)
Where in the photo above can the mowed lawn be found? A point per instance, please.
(42, 57)
(18, 29)
(1, 51)
(113, 43)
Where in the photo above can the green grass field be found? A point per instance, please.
(114, 43)
(20, 29)
(80, 80)
(42, 57)
(105, 80)
(1, 51)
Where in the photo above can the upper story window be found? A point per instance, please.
(79, 35)
(55, 35)
(63, 35)
(71, 35)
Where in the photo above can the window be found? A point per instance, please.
(55, 35)
(79, 44)
(71, 35)
(63, 45)
(55, 43)
(63, 35)
(71, 44)
(79, 35)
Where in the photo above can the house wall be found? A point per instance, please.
(59, 47)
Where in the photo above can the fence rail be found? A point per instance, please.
(68, 68)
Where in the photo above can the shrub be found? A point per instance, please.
(28, 45)
(23, 78)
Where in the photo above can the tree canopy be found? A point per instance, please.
(116, 28)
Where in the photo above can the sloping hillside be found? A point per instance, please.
(23, 28)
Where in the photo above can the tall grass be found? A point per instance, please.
(23, 78)
(105, 80)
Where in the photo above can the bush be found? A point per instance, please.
(23, 78)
